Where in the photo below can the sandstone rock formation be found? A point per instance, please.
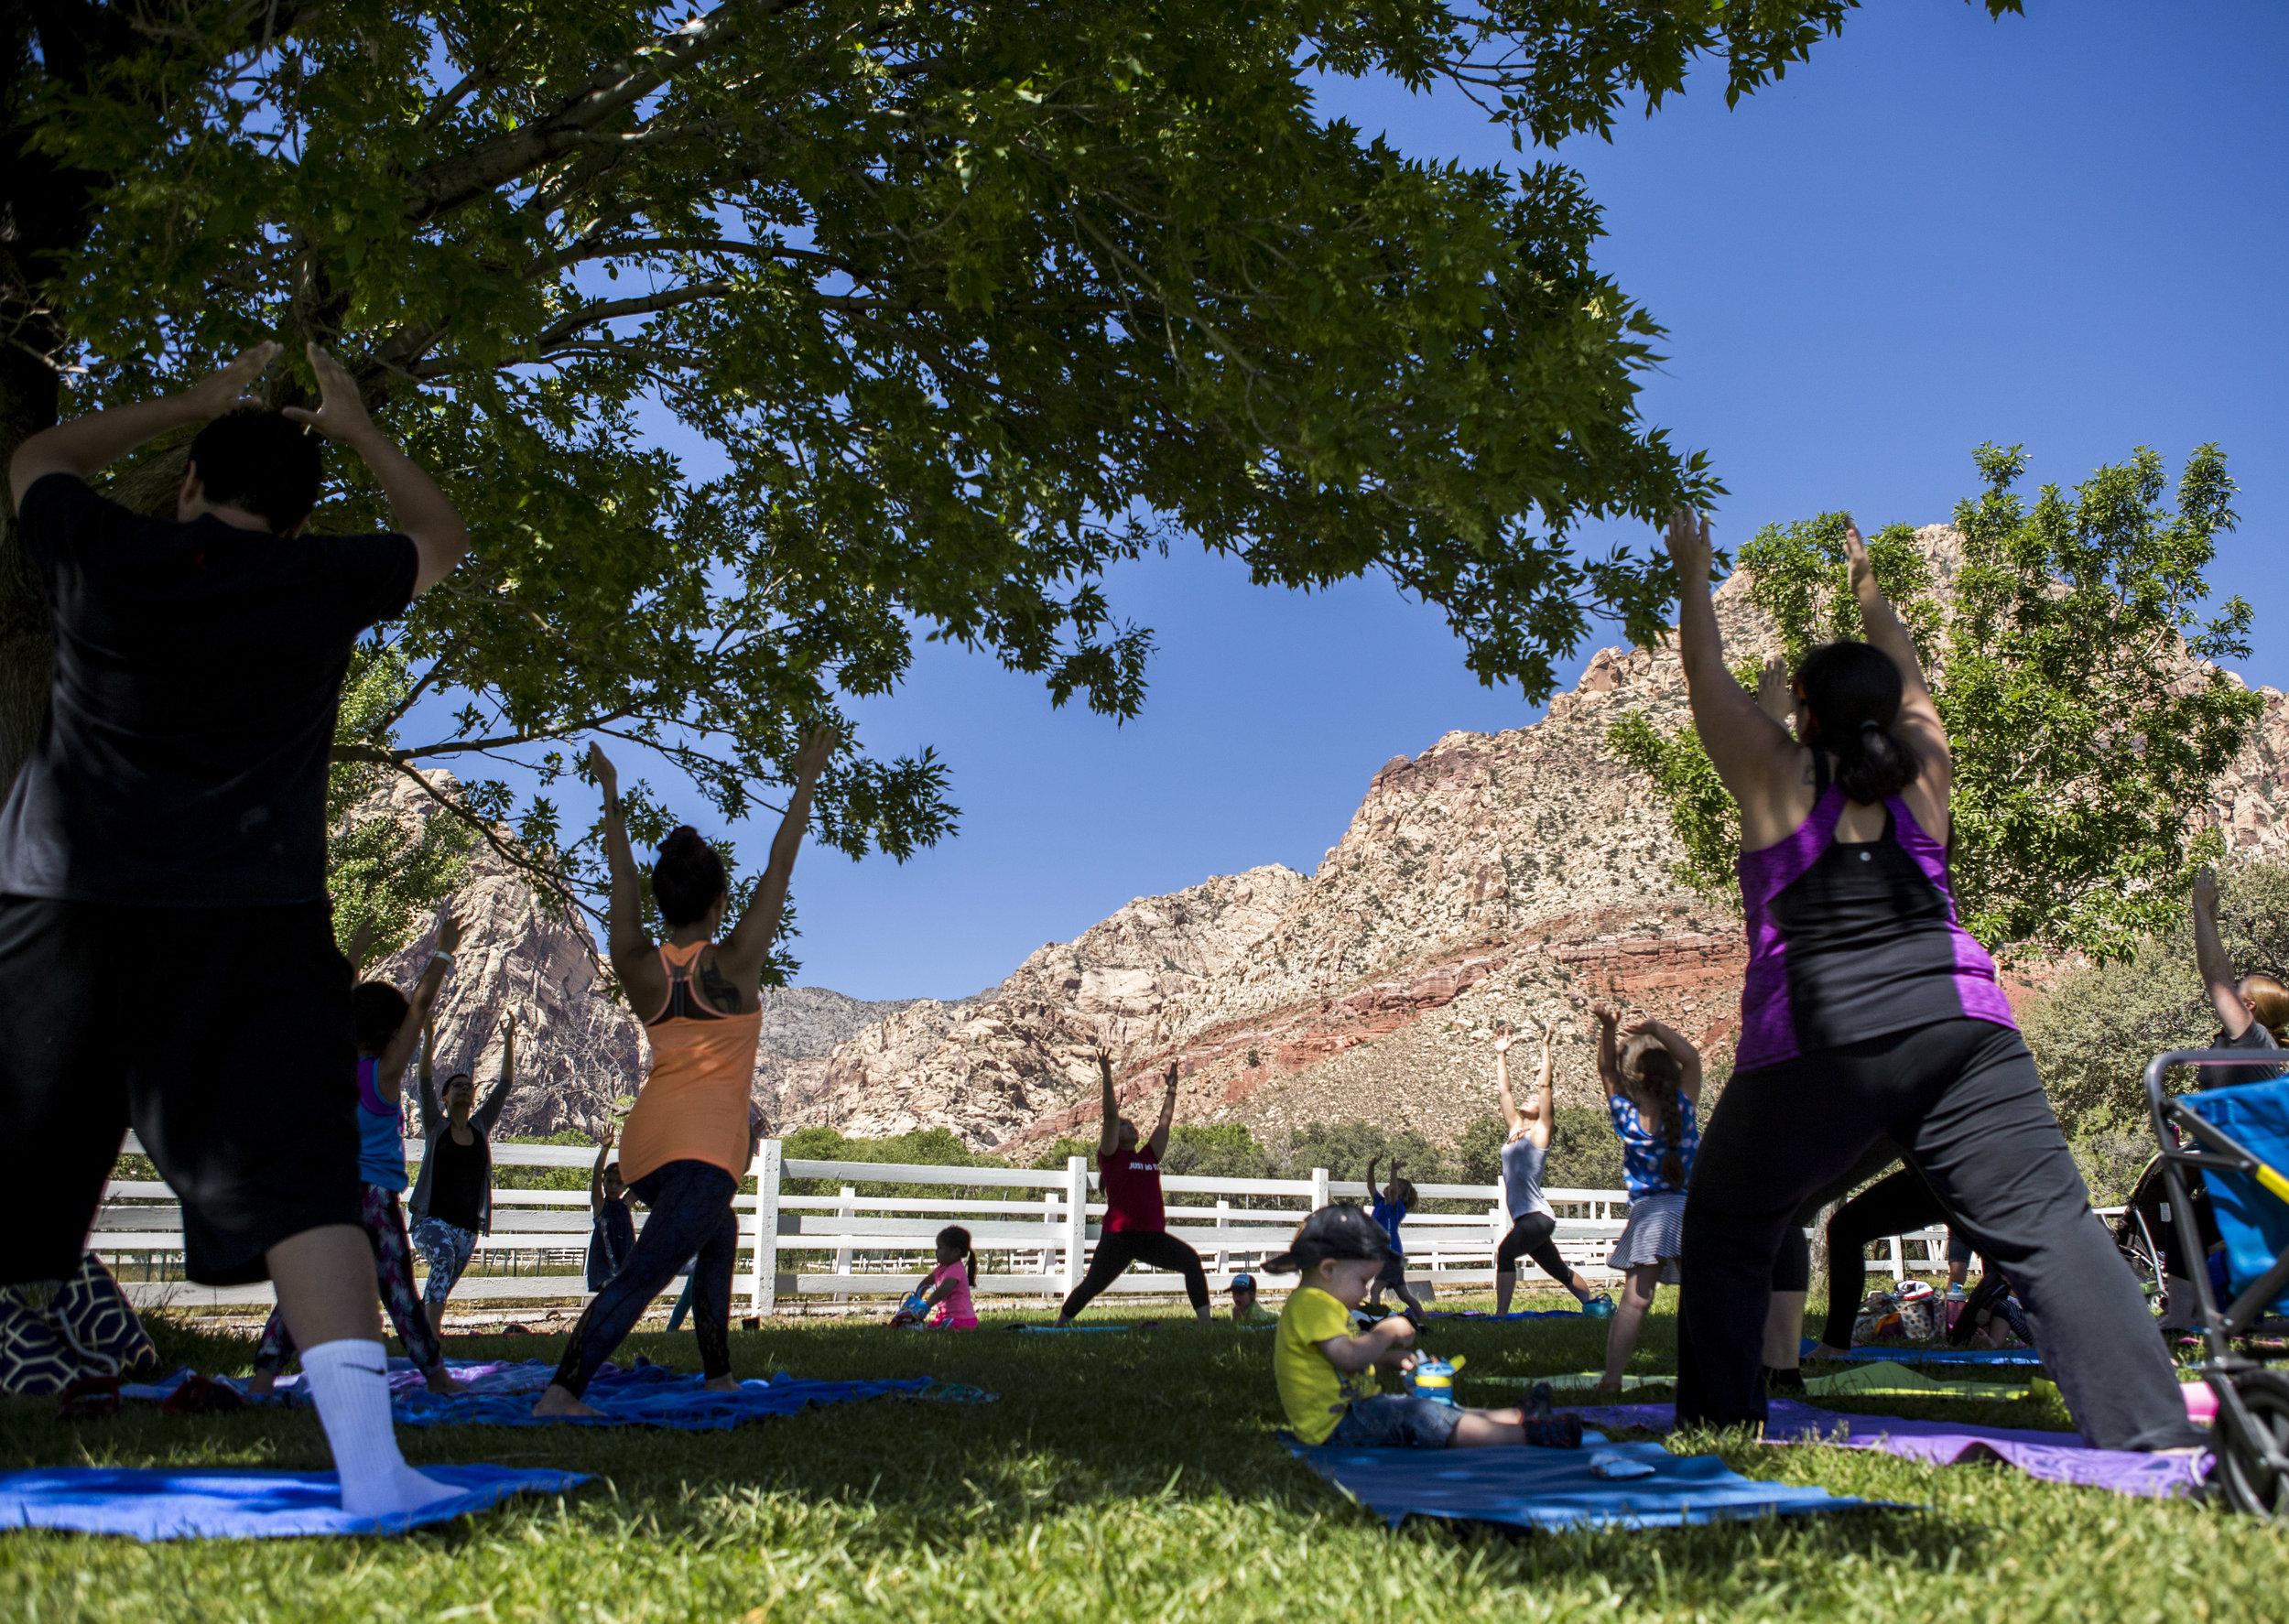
(1512, 877)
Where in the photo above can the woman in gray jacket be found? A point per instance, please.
(452, 1201)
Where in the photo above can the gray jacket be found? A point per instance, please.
(434, 1121)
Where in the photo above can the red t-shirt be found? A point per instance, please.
(1131, 1181)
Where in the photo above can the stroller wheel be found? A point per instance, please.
(2251, 1485)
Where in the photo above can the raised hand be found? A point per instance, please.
(340, 413)
(449, 930)
(1774, 696)
(2204, 889)
(1171, 1078)
(225, 389)
(607, 775)
(1502, 1039)
(1856, 559)
(817, 745)
(1688, 547)
(1607, 1014)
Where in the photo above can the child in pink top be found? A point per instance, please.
(948, 1284)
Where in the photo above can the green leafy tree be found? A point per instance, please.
(925, 1147)
(2073, 664)
(385, 873)
(965, 303)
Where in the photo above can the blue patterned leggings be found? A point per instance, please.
(384, 1227)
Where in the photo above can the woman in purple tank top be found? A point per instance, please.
(1869, 1013)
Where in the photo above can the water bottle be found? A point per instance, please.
(1434, 1379)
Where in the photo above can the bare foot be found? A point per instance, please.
(441, 1383)
(1605, 1386)
(556, 1401)
(1823, 1350)
(721, 1384)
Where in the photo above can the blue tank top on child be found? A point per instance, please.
(381, 1132)
(1390, 1214)
(1644, 1148)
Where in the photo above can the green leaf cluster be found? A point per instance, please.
(965, 305)
(2071, 656)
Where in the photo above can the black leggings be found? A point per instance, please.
(1116, 1250)
(690, 1205)
(1889, 1206)
(1529, 1236)
(1963, 1101)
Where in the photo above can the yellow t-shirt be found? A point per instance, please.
(1314, 1392)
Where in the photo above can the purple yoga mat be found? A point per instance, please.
(2056, 1457)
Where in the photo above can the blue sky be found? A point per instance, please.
(2064, 229)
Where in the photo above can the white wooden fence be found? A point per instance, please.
(1032, 1238)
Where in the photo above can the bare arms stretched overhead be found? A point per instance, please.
(1769, 771)
(1118, 1129)
(731, 970)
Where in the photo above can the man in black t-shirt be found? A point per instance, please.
(166, 947)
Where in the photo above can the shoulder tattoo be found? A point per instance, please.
(720, 991)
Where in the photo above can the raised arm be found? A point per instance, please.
(1540, 1113)
(420, 511)
(1370, 1177)
(596, 1173)
(489, 1112)
(390, 1070)
(1109, 1141)
(1609, 1049)
(744, 948)
(1512, 1115)
(1773, 695)
(1167, 1114)
(633, 960)
(85, 445)
(1681, 1050)
(1919, 726)
(1760, 763)
(432, 1113)
(2209, 956)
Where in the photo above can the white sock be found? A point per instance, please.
(349, 1382)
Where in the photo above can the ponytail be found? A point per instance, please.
(1852, 693)
(1651, 1073)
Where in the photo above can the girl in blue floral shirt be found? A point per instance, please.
(1652, 1084)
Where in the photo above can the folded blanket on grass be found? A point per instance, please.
(212, 1502)
(1520, 1314)
(1556, 1489)
(2054, 1457)
(502, 1394)
(1881, 1379)
(1940, 1355)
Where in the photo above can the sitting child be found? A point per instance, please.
(1327, 1376)
(946, 1288)
(1244, 1308)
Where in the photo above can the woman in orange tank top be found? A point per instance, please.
(689, 1138)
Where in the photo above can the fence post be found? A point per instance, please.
(763, 1290)
(1318, 1188)
(848, 1212)
(1223, 1224)
(1076, 1219)
(1899, 1263)
(1048, 1230)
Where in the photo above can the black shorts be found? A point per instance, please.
(221, 1035)
(1393, 1271)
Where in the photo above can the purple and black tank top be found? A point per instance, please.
(1849, 941)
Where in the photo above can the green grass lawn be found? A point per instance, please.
(1119, 1478)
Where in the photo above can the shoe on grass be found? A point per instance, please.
(1600, 1306)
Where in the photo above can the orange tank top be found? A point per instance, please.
(693, 1105)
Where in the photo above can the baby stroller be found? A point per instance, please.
(2235, 1143)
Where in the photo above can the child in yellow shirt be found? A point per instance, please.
(1327, 1376)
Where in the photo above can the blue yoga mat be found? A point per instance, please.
(649, 1395)
(1940, 1355)
(1552, 1488)
(1068, 1330)
(213, 1503)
